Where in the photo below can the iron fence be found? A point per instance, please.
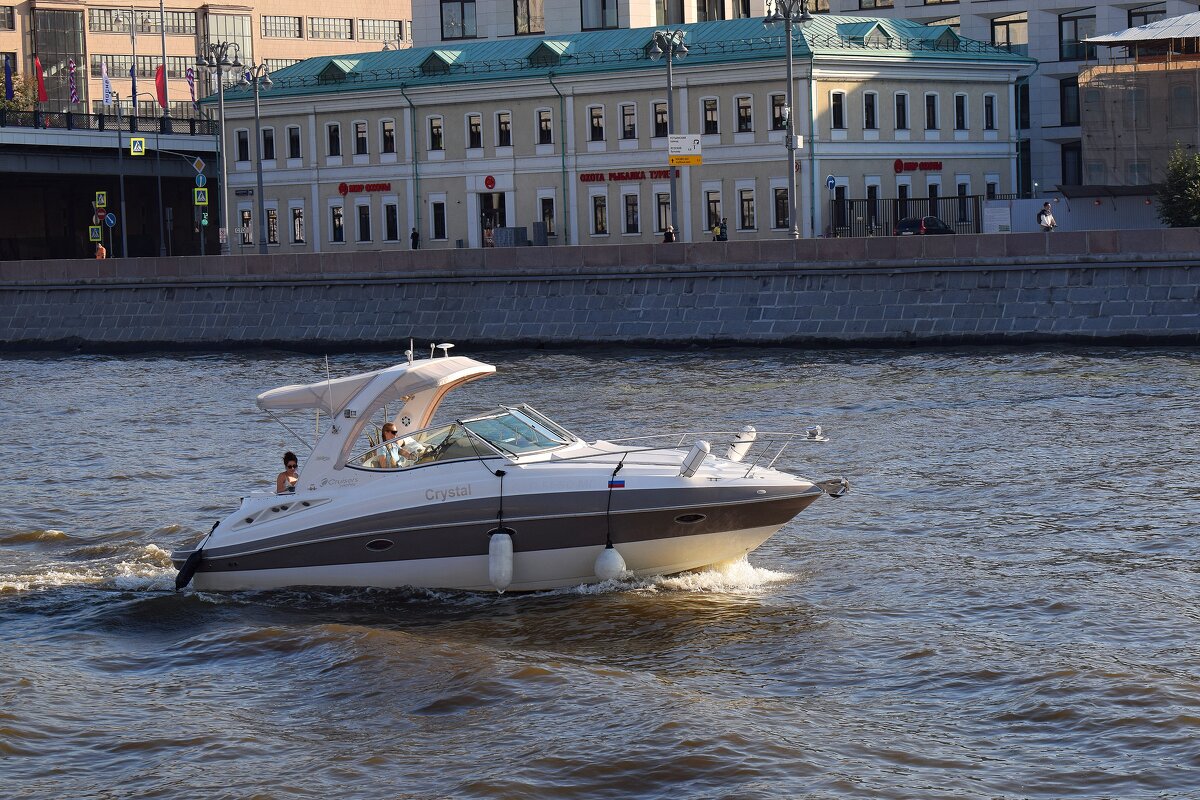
(73, 121)
(878, 216)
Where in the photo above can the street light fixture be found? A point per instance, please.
(789, 12)
(216, 58)
(671, 43)
(257, 75)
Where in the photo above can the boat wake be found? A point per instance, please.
(732, 577)
(147, 570)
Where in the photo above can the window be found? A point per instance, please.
(778, 112)
(991, 190)
(660, 120)
(960, 112)
(458, 19)
(1072, 163)
(334, 136)
(298, 225)
(437, 220)
(902, 190)
(712, 204)
(902, 112)
(387, 136)
(872, 207)
(504, 129)
(436, 140)
(247, 226)
(281, 27)
(662, 211)
(631, 214)
(670, 12)
(712, 122)
(745, 115)
(1134, 109)
(337, 231)
(931, 112)
(293, 134)
(934, 191)
(529, 16)
(596, 115)
(391, 222)
(330, 28)
(547, 204)
(746, 209)
(782, 209)
(243, 145)
(474, 131)
(598, 14)
(1137, 173)
(709, 10)
(1147, 14)
(1068, 101)
(1181, 108)
(864, 5)
(1012, 33)
(276, 64)
(628, 121)
(360, 138)
(870, 111)
(837, 110)
(364, 223)
(381, 30)
(989, 112)
(1023, 105)
(599, 214)
(1073, 28)
(545, 126)
(272, 226)
(268, 144)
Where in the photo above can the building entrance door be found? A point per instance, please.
(492, 215)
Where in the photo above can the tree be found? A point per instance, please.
(24, 95)
(1179, 199)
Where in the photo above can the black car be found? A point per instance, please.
(921, 226)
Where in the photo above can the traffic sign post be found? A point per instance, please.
(200, 179)
(200, 196)
(95, 233)
(110, 220)
(137, 146)
(683, 149)
(101, 199)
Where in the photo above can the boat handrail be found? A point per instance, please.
(762, 445)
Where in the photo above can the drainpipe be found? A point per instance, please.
(812, 140)
(412, 132)
(562, 134)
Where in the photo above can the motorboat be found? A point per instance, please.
(502, 500)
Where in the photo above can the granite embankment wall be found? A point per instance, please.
(1094, 286)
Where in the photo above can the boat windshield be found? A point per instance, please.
(517, 431)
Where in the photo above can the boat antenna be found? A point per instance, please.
(431, 346)
(328, 391)
(409, 352)
(445, 348)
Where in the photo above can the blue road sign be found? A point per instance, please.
(200, 179)
(110, 220)
(830, 182)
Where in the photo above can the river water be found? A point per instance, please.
(1004, 606)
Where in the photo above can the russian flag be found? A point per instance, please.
(616, 483)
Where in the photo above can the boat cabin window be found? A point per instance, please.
(511, 432)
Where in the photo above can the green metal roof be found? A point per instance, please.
(594, 52)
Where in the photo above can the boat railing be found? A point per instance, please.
(765, 449)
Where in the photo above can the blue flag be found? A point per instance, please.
(8, 87)
(133, 93)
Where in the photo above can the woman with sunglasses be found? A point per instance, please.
(286, 482)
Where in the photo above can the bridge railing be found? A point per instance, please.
(74, 121)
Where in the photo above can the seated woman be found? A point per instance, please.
(287, 480)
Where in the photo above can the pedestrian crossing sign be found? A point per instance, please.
(137, 146)
(200, 195)
(94, 233)
(101, 199)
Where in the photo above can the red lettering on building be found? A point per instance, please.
(899, 165)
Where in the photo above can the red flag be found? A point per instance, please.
(160, 83)
(37, 67)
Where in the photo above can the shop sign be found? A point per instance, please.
(901, 165)
(353, 188)
(628, 175)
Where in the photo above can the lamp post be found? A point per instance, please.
(162, 231)
(216, 58)
(257, 75)
(789, 12)
(121, 175)
(671, 43)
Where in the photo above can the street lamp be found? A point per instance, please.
(789, 12)
(215, 58)
(671, 43)
(121, 174)
(257, 75)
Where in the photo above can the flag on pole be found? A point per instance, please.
(8, 87)
(41, 80)
(160, 84)
(133, 92)
(74, 87)
(191, 79)
(106, 83)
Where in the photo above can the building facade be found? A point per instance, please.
(564, 140)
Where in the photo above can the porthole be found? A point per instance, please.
(379, 544)
(689, 519)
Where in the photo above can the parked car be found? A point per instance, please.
(921, 226)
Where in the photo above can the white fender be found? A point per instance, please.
(694, 458)
(500, 561)
(741, 444)
(609, 564)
